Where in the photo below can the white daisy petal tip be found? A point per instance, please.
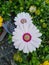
(40, 34)
(25, 51)
(15, 18)
(12, 32)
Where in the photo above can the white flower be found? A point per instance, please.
(32, 9)
(22, 18)
(26, 39)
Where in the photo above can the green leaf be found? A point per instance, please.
(47, 57)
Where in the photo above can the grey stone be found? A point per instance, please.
(9, 26)
(3, 34)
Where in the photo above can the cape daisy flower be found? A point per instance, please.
(22, 18)
(27, 39)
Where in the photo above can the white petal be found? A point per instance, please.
(15, 19)
(35, 44)
(17, 36)
(19, 15)
(32, 28)
(18, 31)
(25, 50)
(21, 46)
(37, 40)
(16, 45)
(31, 47)
(36, 35)
(25, 27)
(29, 17)
(16, 23)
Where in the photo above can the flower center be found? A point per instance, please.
(23, 21)
(27, 37)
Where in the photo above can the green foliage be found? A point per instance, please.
(47, 57)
